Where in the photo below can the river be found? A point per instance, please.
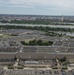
(33, 25)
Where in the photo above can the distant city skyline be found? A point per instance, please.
(37, 7)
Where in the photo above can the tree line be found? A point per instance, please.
(39, 21)
(40, 28)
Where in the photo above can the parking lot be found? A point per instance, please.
(39, 72)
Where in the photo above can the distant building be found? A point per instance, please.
(62, 19)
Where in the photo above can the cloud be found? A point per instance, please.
(60, 4)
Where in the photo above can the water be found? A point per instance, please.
(33, 25)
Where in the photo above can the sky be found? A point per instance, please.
(37, 7)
